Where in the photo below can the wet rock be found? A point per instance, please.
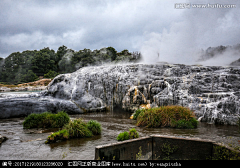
(23, 105)
(134, 98)
(212, 92)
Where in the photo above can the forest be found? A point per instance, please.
(28, 66)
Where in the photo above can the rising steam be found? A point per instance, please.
(198, 29)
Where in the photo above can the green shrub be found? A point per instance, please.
(133, 133)
(128, 135)
(76, 129)
(51, 74)
(137, 112)
(191, 123)
(46, 120)
(123, 136)
(94, 127)
(149, 118)
(60, 135)
(167, 116)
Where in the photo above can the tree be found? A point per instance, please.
(112, 53)
(51, 74)
(43, 61)
(29, 77)
(124, 52)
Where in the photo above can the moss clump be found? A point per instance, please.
(167, 116)
(76, 129)
(128, 135)
(46, 120)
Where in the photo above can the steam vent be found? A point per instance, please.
(211, 92)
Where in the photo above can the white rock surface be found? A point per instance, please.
(212, 92)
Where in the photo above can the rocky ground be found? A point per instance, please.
(37, 85)
(211, 92)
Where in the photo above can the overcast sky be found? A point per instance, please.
(149, 26)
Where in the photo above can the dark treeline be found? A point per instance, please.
(28, 66)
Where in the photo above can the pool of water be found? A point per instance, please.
(30, 143)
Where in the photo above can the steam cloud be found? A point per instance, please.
(196, 30)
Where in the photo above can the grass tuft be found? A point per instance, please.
(76, 129)
(94, 127)
(46, 120)
(167, 116)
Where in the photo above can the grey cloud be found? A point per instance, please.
(151, 26)
(28, 24)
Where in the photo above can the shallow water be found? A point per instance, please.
(29, 143)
